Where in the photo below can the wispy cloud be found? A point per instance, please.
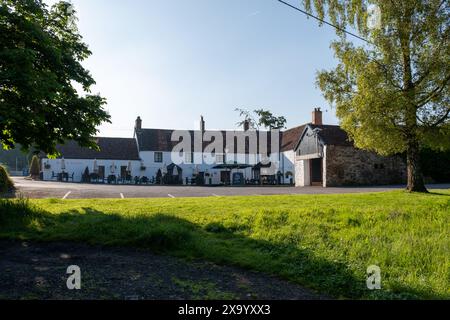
(254, 13)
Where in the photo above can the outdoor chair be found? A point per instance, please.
(112, 179)
(54, 176)
(94, 177)
(63, 176)
(128, 179)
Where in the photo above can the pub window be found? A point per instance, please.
(231, 158)
(220, 158)
(188, 157)
(158, 157)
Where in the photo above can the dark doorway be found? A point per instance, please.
(316, 172)
(159, 177)
(257, 174)
(200, 179)
(101, 172)
(225, 177)
(238, 179)
(174, 175)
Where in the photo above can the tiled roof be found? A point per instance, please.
(160, 139)
(110, 149)
(155, 140)
(333, 135)
(290, 138)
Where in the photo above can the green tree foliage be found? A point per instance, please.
(268, 120)
(264, 118)
(248, 118)
(6, 184)
(41, 53)
(392, 93)
(35, 167)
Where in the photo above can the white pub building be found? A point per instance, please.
(311, 154)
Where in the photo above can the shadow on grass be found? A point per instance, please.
(435, 193)
(214, 242)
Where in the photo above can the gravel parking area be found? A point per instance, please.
(41, 189)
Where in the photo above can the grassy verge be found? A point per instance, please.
(324, 242)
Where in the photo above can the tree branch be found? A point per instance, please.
(433, 93)
(444, 117)
(431, 65)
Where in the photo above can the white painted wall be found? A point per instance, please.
(79, 166)
(288, 165)
(302, 173)
(209, 161)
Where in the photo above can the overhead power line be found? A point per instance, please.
(323, 21)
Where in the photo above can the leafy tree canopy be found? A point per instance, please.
(391, 93)
(261, 118)
(41, 52)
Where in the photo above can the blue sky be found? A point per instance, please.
(172, 61)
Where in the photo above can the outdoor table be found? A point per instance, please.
(112, 179)
(63, 176)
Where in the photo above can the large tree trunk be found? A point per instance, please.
(415, 175)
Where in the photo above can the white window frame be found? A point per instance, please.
(188, 157)
(155, 157)
(220, 158)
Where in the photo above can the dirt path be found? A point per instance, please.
(38, 271)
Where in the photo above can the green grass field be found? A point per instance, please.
(324, 242)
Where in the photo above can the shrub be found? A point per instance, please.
(34, 167)
(6, 184)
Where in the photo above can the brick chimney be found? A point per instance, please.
(317, 117)
(202, 124)
(246, 125)
(138, 125)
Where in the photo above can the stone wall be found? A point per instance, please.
(347, 166)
